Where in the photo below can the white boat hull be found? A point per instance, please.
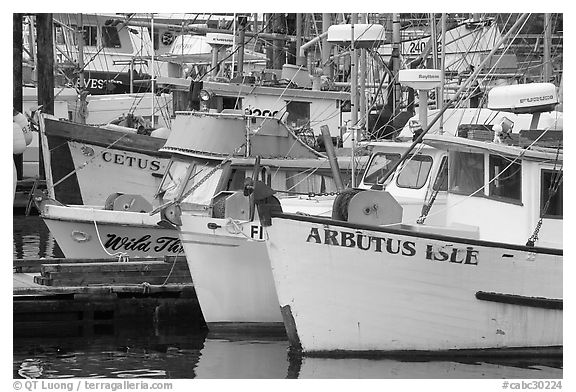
(93, 233)
(105, 171)
(398, 291)
(231, 273)
(231, 270)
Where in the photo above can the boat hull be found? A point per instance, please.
(231, 272)
(93, 233)
(107, 170)
(88, 163)
(345, 289)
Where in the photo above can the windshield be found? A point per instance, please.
(379, 166)
(199, 178)
(415, 172)
(172, 180)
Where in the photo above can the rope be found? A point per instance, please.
(122, 256)
(172, 268)
(237, 228)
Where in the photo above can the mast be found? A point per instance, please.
(435, 52)
(547, 43)
(456, 96)
(326, 46)
(440, 98)
(396, 92)
(17, 79)
(353, 98)
(81, 81)
(363, 114)
(45, 67)
(152, 67)
(233, 46)
(242, 21)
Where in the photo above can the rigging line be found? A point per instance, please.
(472, 77)
(83, 165)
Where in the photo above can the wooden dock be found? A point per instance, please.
(80, 297)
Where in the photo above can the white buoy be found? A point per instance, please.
(22, 121)
(17, 148)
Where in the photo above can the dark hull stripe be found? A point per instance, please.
(521, 300)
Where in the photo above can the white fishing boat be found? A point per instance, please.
(227, 260)
(124, 225)
(489, 279)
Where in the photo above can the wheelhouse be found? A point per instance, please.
(512, 194)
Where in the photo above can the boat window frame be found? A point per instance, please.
(374, 155)
(116, 42)
(491, 175)
(544, 192)
(453, 161)
(178, 191)
(413, 158)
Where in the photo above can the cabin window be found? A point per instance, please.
(172, 180)
(379, 166)
(60, 35)
(90, 35)
(232, 103)
(298, 114)
(466, 175)
(304, 182)
(551, 193)
(110, 37)
(236, 180)
(415, 172)
(156, 40)
(505, 178)
(205, 179)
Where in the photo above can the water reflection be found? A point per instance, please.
(32, 239)
(394, 369)
(202, 355)
(151, 356)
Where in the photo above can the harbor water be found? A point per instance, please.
(187, 351)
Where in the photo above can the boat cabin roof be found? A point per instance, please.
(445, 142)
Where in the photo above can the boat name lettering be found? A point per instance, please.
(452, 255)
(537, 99)
(127, 160)
(357, 240)
(256, 232)
(143, 244)
(98, 84)
(348, 239)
